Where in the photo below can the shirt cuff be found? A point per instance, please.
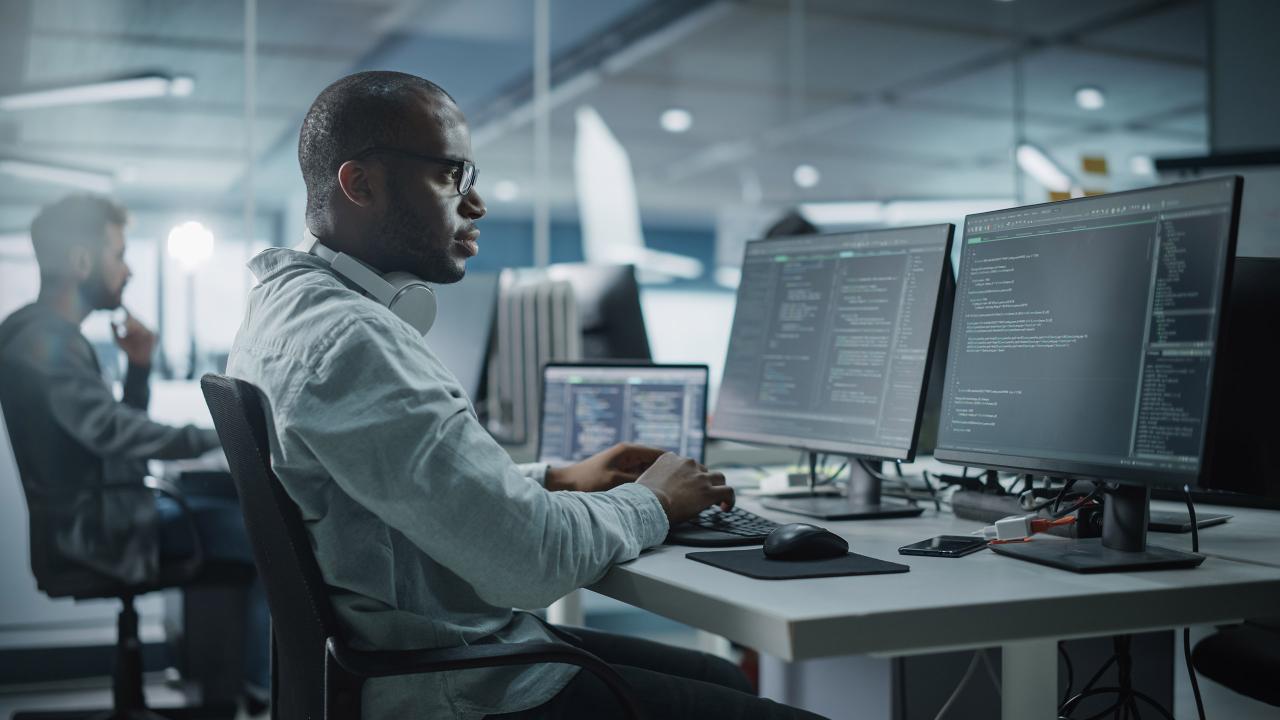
(536, 472)
(651, 521)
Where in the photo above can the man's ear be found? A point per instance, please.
(356, 181)
(80, 260)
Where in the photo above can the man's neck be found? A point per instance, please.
(64, 300)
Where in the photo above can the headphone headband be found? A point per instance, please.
(405, 295)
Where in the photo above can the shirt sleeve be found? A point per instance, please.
(85, 408)
(137, 387)
(536, 472)
(382, 419)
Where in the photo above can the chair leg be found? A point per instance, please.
(126, 686)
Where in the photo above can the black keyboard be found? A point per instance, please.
(715, 528)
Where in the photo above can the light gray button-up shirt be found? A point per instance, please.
(426, 532)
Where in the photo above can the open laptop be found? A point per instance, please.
(587, 408)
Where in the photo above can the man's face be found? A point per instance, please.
(428, 229)
(103, 289)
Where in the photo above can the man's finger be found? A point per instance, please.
(716, 478)
(722, 495)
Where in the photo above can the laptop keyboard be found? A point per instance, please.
(715, 527)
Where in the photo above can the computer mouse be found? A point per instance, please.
(801, 541)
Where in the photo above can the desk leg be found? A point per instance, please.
(567, 610)
(1029, 680)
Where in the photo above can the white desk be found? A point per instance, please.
(949, 604)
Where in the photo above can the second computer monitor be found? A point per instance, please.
(832, 341)
(589, 408)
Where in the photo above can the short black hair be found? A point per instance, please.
(78, 220)
(356, 112)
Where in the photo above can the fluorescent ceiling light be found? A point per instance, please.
(843, 213)
(676, 120)
(806, 176)
(1036, 163)
(899, 212)
(1090, 97)
(505, 190)
(191, 244)
(93, 180)
(135, 88)
(728, 277)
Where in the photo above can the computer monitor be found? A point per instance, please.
(1083, 345)
(608, 298)
(833, 339)
(464, 323)
(587, 408)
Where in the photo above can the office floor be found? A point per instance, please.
(89, 694)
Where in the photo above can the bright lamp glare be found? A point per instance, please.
(806, 176)
(676, 120)
(191, 244)
(1090, 97)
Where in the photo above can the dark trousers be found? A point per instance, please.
(670, 683)
(220, 525)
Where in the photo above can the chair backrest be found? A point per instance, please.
(302, 616)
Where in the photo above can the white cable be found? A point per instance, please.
(964, 680)
(991, 670)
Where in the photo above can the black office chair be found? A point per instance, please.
(1245, 658)
(58, 580)
(315, 674)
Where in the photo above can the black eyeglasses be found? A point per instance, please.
(466, 169)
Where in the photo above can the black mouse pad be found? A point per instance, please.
(754, 564)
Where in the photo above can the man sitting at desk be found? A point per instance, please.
(425, 531)
(73, 439)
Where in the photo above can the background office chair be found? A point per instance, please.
(1245, 658)
(315, 674)
(56, 580)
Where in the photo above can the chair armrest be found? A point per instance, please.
(385, 663)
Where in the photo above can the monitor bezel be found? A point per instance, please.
(853, 449)
(625, 364)
(1155, 477)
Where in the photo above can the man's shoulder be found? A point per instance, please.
(42, 337)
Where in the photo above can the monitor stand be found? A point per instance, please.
(1123, 546)
(862, 501)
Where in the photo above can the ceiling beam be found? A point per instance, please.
(280, 51)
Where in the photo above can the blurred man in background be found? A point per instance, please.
(73, 439)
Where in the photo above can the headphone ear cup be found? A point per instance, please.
(414, 301)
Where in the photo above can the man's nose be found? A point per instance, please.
(473, 205)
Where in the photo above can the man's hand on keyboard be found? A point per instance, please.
(685, 487)
(622, 463)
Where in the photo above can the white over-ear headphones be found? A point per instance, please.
(404, 294)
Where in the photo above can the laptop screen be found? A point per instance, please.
(588, 408)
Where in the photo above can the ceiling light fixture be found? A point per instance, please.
(134, 88)
(1036, 163)
(806, 176)
(85, 179)
(1090, 97)
(505, 190)
(676, 120)
(899, 212)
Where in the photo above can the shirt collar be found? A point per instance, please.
(273, 261)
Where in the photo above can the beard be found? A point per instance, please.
(413, 247)
(96, 295)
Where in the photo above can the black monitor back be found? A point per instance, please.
(1244, 460)
(608, 299)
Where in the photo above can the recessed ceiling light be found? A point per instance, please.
(1090, 97)
(505, 191)
(806, 176)
(1142, 165)
(1037, 163)
(676, 120)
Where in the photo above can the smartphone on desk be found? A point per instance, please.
(945, 546)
